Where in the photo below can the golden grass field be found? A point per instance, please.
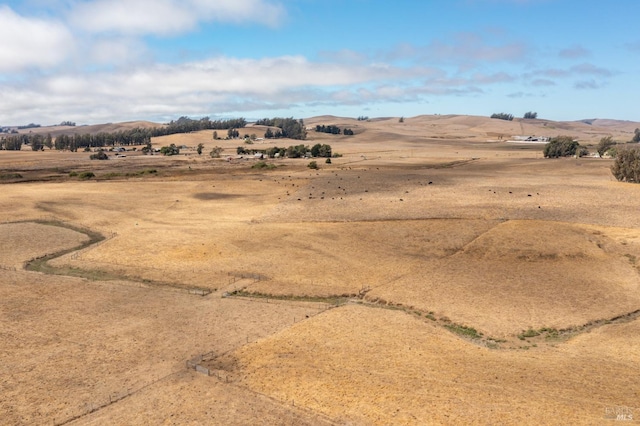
(433, 274)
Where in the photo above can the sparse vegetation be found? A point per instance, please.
(7, 176)
(263, 165)
(464, 331)
(528, 333)
(86, 175)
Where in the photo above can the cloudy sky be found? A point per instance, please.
(102, 61)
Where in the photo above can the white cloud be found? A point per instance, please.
(31, 42)
(166, 17)
(203, 87)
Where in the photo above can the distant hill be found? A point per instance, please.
(92, 129)
(451, 126)
(481, 128)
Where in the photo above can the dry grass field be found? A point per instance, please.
(432, 274)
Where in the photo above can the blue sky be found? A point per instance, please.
(118, 60)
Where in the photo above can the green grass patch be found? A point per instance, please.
(8, 176)
(528, 333)
(86, 175)
(264, 165)
(331, 300)
(464, 331)
(40, 264)
(142, 172)
(111, 175)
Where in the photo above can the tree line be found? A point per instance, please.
(334, 130)
(136, 136)
(186, 125)
(532, 115)
(289, 128)
(292, 151)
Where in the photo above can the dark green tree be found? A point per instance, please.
(170, 150)
(626, 167)
(561, 146)
(502, 116)
(100, 155)
(604, 145)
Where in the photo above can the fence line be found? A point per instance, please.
(91, 407)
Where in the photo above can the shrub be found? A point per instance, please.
(327, 161)
(263, 165)
(215, 152)
(170, 150)
(561, 146)
(313, 165)
(86, 175)
(528, 333)
(73, 174)
(531, 115)
(604, 145)
(626, 167)
(100, 155)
